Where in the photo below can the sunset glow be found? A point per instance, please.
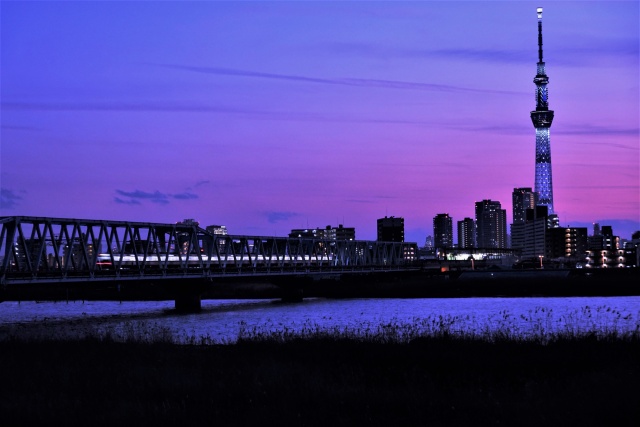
(269, 116)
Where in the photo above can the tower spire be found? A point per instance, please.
(539, 34)
(542, 118)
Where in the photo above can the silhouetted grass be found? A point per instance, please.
(539, 324)
(394, 375)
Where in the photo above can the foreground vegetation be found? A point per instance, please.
(319, 377)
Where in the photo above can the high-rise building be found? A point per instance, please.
(523, 199)
(542, 118)
(443, 231)
(491, 225)
(217, 229)
(327, 233)
(596, 229)
(609, 241)
(344, 233)
(466, 233)
(605, 251)
(391, 229)
(535, 233)
(604, 239)
(428, 243)
(567, 243)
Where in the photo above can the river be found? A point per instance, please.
(223, 321)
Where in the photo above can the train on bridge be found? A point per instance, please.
(108, 262)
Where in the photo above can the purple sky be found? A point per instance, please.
(268, 116)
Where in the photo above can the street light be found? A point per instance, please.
(540, 256)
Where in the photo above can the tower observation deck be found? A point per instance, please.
(542, 118)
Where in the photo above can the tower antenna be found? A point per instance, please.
(539, 10)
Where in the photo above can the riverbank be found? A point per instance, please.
(490, 282)
(441, 380)
(412, 283)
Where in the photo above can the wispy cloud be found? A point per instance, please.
(574, 57)
(155, 197)
(484, 55)
(566, 129)
(20, 128)
(602, 144)
(346, 81)
(371, 199)
(591, 52)
(188, 193)
(121, 106)
(136, 197)
(378, 51)
(275, 217)
(597, 130)
(360, 201)
(600, 53)
(202, 183)
(185, 196)
(603, 186)
(495, 129)
(174, 107)
(9, 199)
(126, 201)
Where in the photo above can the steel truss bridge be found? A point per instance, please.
(58, 252)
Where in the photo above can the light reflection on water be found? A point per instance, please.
(223, 320)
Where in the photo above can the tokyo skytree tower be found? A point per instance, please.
(542, 118)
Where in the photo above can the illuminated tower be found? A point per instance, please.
(542, 118)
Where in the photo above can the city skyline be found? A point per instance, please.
(270, 116)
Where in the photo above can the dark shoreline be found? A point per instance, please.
(422, 283)
(429, 381)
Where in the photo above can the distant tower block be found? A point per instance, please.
(542, 118)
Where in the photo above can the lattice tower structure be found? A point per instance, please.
(542, 118)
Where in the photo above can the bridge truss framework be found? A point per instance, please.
(39, 249)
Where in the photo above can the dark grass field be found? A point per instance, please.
(581, 381)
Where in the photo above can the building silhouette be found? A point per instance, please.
(443, 231)
(391, 229)
(466, 233)
(216, 230)
(604, 240)
(327, 233)
(428, 243)
(567, 244)
(542, 118)
(220, 230)
(522, 199)
(491, 225)
(605, 250)
(535, 233)
(596, 229)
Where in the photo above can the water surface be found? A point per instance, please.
(223, 320)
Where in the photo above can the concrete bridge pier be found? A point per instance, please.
(292, 288)
(188, 303)
(292, 293)
(188, 295)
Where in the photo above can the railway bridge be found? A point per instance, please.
(57, 258)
